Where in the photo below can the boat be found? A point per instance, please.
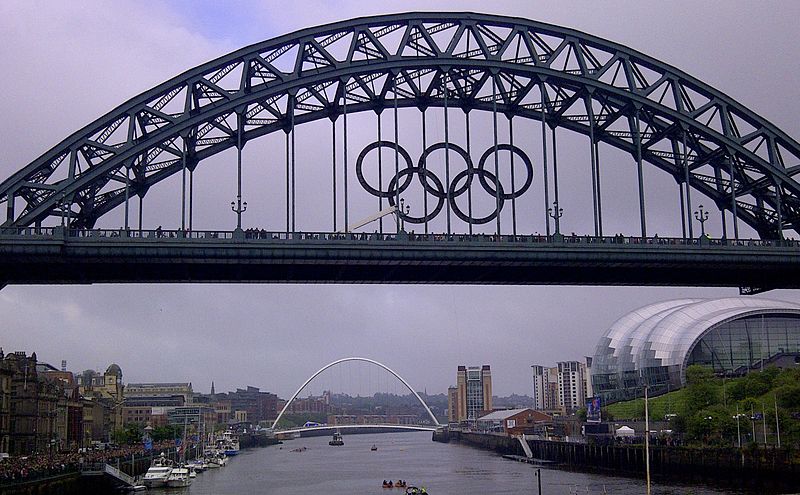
(374, 447)
(179, 477)
(337, 439)
(229, 443)
(214, 460)
(158, 473)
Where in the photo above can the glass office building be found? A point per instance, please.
(654, 344)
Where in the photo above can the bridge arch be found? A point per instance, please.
(705, 140)
(366, 360)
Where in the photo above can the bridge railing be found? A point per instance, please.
(256, 235)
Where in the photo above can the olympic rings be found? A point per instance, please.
(434, 186)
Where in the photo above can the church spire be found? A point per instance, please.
(212, 388)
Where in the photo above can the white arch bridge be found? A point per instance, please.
(356, 427)
(326, 427)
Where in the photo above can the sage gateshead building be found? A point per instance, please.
(655, 344)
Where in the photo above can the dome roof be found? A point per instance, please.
(114, 369)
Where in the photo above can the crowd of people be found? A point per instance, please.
(35, 466)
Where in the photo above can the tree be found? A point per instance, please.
(701, 389)
(788, 396)
(129, 435)
(168, 432)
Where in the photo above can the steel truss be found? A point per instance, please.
(564, 78)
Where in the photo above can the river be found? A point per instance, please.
(412, 456)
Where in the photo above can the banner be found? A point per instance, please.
(593, 410)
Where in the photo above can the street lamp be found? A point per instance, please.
(555, 213)
(404, 209)
(701, 216)
(238, 207)
(63, 206)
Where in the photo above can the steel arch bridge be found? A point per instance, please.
(350, 359)
(709, 143)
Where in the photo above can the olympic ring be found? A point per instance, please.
(423, 163)
(498, 207)
(360, 173)
(439, 201)
(434, 186)
(525, 160)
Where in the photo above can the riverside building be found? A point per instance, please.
(473, 394)
(655, 344)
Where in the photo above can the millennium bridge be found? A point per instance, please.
(457, 182)
(431, 426)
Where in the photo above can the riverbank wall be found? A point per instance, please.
(248, 441)
(771, 469)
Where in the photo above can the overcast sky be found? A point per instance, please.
(66, 63)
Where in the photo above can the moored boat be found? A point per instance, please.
(158, 473)
(230, 443)
(179, 477)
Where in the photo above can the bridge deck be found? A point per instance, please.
(52, 256)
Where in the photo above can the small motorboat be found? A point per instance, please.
(373, 448)
(337, 439)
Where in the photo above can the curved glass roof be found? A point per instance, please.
(664, 333)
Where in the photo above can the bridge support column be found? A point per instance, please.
(469, 182)
(733, 200)
(344, 114)
(687, 184)
(544, 163)
(333, 168)
(638, 139)
(599, 190)
(683, 210)
(127, 196)
(378, 113)
(10, 207)
(496, 157)
(397, 154)
(557, 217)
(513, 185)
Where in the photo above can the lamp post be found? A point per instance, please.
(404, 209)
(738, 428)
(701, 216)
(64, 206)
(555, 213)
(647, 439)
(238, 207)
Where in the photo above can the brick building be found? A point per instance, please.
(259, 406)
(5, 406)
(33, 406)
(513, 421)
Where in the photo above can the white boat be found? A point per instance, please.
(215, 460)
(158, 473)
(230, 443)
(179, 477)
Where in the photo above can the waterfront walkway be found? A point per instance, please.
(23, 469)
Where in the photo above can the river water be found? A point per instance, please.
(441, 468)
